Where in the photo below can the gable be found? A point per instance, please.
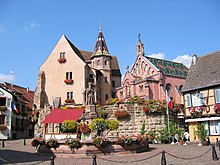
(205, 73)
(127, 77)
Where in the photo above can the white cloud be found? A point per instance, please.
(7, 77)
(157, 55)
(185, 59)
(32, 25)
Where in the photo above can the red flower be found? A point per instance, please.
(61, 60)
(68, 81)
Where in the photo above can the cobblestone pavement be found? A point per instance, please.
(16, 153)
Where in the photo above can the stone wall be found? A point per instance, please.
(133, 125)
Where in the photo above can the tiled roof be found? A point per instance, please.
(205, 73)
(100, 46)
(169, 67)
(24, 95)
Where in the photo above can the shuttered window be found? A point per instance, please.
(188, 101)
(217, 95)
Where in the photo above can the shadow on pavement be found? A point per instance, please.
(11, 157)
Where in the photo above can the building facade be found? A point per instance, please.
(16, 112)
(149, 78)
(74, 76)
(202, 95)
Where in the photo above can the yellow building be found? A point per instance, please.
(202, 95)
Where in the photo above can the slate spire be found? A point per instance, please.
(100, 46)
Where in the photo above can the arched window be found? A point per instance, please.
(106, 97)
(145, 68)
(128, 92)
(98, 62)
(180, 87)
(168, 87)
(137, 69)
(142, 67)
(91, 78)
(106, 62)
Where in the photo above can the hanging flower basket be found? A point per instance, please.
(73, 143)
(217, 108)
(196, 111)
(61, 60)
(68, 81)
(3, 108)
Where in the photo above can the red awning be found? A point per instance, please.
(58, 116)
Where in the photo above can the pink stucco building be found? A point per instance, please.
(149, 78)
(70, 75)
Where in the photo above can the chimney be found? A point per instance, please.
(194, 59)
(27, 89)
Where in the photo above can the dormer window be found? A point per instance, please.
(106, 62)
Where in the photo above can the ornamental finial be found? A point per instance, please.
(100, 28)
(139, 36)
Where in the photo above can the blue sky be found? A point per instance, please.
(171, 29)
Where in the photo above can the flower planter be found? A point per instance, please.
(136, 147)
(3, 108)
(70, 101)
(68, 81)
(217, 108)
(61, 60)
(2, 127)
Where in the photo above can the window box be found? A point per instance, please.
(68, 81)
(217, 108)
(70, 101)
(196, 111)
(3, 108)
(61, 60)
(2, 127)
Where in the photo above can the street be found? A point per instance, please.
(15, 152)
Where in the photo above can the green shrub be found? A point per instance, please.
(112, 125)
(69, 126)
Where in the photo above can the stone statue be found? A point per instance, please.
(90, 94)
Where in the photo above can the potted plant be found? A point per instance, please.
(52, 143)
(202, 134)
(98, 124)
(73, 143)
(69, 126)
(99, 141)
